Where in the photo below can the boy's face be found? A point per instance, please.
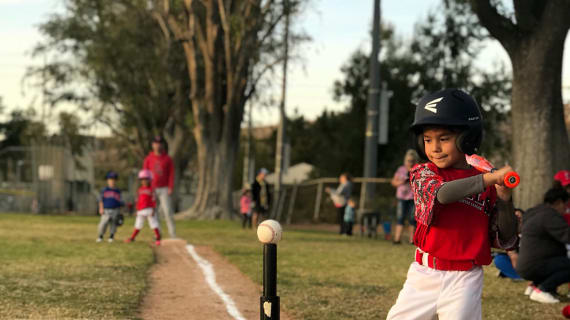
(111, 183)
(145, 182)
(440, 148)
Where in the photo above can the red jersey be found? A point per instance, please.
(162, 170)
(145, 198)
(461, 231)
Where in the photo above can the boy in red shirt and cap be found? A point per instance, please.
(460, 212)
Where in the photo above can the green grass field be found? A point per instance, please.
(52, 268)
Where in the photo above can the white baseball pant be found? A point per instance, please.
(166, 208)
(146, 214)
(451, 295)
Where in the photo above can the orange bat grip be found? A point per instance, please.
(512, 179)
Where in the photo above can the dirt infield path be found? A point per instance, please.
(178, 288)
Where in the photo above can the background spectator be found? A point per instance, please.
(340, 197)
(405, 197)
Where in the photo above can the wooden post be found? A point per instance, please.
(318, 202)
(292, 204)
(281, 203)
(361, 205)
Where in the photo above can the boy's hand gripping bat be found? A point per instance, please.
(512, 178)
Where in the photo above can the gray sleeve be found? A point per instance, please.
(456, 190)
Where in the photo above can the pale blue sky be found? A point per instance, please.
(338, 28)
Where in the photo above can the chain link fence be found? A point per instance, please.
(46, 179)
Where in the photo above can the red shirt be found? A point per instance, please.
(162, 170)
(145, 198)
(461, 231)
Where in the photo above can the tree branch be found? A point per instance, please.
(498, 26)
(525, 12)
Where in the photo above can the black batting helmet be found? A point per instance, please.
(450, 108)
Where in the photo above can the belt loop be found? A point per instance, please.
(425, 257)
(434, 265)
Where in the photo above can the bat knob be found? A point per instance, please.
(512, 179)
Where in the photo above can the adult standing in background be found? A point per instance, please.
(405, 197)
(261, 198)
(340, 198)
(160, 164)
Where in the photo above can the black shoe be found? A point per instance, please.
(396, 242)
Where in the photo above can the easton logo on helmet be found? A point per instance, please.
(430, 106)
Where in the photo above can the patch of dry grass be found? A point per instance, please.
(53, 269)
(322, 275)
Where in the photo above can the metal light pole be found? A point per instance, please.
(247, 157)
(283, 118)
(371, 146)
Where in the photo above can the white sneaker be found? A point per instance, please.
(528, 290)
(99, 240)
(110, 240)
(542, 296)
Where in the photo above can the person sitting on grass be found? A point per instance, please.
(542, 255)
(349, 216)
(146, 204)
(109, 206)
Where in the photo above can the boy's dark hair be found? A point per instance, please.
(347, 175)
(555, 194)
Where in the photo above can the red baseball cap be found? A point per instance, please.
(563, 176)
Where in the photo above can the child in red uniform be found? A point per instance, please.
(460, 213)
(145, 207)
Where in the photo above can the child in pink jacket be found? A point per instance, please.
(245, 208)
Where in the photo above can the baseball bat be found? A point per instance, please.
(512, 178)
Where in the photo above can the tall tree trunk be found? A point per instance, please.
(216, 160)
(540, 140)
(181, 150)
(221, 40)
(535, 44)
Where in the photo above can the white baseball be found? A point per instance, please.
(269, 231)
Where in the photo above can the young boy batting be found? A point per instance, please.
(460, 212)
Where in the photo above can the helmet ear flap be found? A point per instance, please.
(468, 141)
